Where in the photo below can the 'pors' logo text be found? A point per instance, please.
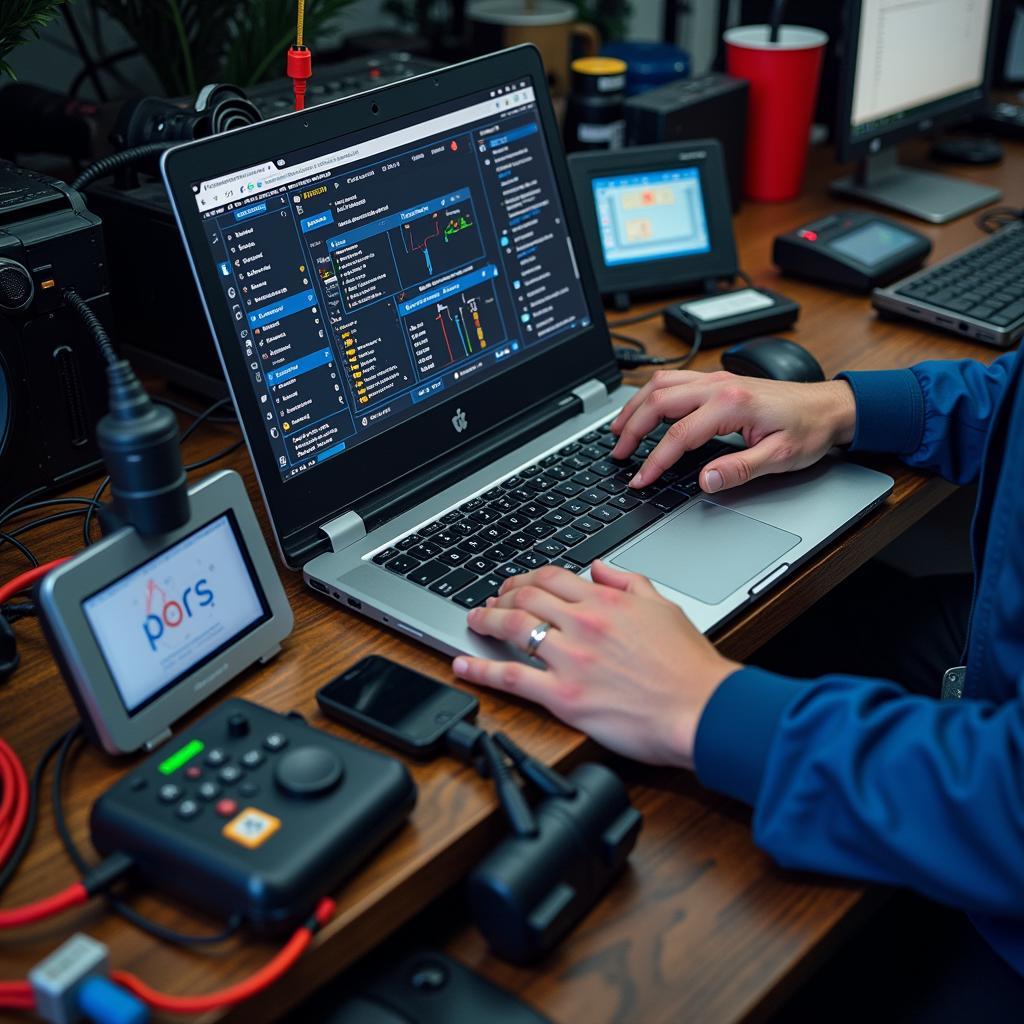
(163, 612)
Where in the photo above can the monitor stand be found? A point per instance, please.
(936, 198)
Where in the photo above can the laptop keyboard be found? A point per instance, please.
(566, 509)
(984, 283)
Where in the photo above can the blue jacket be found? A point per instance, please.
(855, 777)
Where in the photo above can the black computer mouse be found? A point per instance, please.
(967, 150)
(774, 358)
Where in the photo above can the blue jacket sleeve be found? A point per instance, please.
(855, 777)
(936, 414)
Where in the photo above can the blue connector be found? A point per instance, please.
(103, 1002)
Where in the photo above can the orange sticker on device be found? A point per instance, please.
(251, 828)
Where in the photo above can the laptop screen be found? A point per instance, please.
(367, 281)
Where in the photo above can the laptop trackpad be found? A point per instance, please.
(707, 552)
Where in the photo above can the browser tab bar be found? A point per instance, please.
(248, 182)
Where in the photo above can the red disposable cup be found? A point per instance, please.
(783, 79)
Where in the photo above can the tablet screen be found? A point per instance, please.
(652, 215)
(162, 620)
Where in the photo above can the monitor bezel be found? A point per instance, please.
(926, 118)
(298, 507)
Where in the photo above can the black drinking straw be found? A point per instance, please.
(778, 9)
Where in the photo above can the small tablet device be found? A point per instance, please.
(145, 628)
(656, 218)
(852, 249)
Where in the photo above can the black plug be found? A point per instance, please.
(546, 779)
(510, 796)
(139, 443)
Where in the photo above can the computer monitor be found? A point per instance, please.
(908, 67)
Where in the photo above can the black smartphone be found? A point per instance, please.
(396, 705)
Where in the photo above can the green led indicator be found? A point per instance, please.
(183, 756)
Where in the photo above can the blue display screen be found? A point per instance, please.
(655, 215)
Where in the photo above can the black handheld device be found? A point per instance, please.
(396, 705)
(253, 813)
(852, 250)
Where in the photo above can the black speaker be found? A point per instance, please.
(52, 383)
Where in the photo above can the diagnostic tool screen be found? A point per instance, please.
(175, 612)
(369, 280)
(651, 216)
(873, 243)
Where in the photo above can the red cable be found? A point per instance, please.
(255, 983)
(26, 579)
(16, 995)
(14, 797)
(13, 800)
(73, 896)
(18, 1003)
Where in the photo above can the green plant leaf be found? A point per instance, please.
(21, 20)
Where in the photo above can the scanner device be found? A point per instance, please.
(144, 628)
(851, 249)
(254, 814)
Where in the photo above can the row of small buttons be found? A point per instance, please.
(208, 790)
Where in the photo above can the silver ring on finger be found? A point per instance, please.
(537, 635)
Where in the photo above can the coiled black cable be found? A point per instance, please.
(92, 324)
(108, 164)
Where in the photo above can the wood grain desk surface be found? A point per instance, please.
(702, 927)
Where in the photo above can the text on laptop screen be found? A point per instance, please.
(651, 216)
(414, 262)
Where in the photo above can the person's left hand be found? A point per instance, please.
(624, 665)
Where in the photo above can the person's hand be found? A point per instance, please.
(786, 426)
(624, 665)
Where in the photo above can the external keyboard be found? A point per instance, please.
(985, 282)
(566, 509)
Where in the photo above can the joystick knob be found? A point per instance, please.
(308, 771)
(238, 725)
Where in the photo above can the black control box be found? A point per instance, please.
(713, 106)
(253, 813)
(52, 378)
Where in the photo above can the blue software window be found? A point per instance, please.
(651, 216)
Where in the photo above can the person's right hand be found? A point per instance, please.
(786, 426)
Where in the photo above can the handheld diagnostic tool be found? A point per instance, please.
(253, 813)
(144, 628)
(656, 218)
(851, 250)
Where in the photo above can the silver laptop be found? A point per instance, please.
(414, 342)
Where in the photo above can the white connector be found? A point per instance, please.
(56, 980)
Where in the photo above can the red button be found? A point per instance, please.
(226, 808)
(193, 771)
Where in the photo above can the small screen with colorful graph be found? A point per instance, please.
(651, 216)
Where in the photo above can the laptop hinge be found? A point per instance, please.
(592, 393)
(344, 530)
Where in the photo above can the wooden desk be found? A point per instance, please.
(703, 927)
